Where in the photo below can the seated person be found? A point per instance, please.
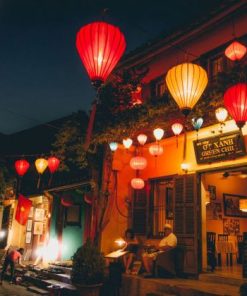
(11, 259)
(166, 244)
(131, 245)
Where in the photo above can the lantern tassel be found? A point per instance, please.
(185, 144)
(38, 184)
(90, 125)
(177, 140)
(50, 180)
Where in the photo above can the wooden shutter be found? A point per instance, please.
(186, 222)
(139, 211)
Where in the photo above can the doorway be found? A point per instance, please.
(223, 223)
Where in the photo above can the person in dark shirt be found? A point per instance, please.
(131, 245)
(11, 259)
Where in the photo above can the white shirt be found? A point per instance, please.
(170, 240)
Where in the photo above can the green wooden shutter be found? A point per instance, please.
(186, 222)
(139, 211)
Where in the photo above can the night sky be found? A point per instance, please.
(41, 75)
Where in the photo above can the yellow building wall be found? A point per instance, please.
(164, 165)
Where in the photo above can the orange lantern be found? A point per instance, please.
(235, 51)
(142, 139)
(138, 163)
(137, 183)
(156, 150)
(127, 143)
(41, 165)
(158, 133)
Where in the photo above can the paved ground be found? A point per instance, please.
(14, 290)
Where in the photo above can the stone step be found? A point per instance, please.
(37, 290)
(219, 279)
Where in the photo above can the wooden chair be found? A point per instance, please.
(224, 238)
(240, 249)
(211, 260)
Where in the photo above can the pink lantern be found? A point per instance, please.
(235, 51)
(156, 150)
(142, 139)
(138, 163)
(137, 183)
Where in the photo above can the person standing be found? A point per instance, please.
(11, 259)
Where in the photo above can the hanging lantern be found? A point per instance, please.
(142, 139)
(243, 205)
(158, 133)
(21, 167)
(197, 123)
(41, 165)
(113, 146)
(138, 163)
(235, 100)
(221, 114)
(156, 150)
(137, 183)
(127, 143)
(235, 51)
(177, 128)
(186, 83)
(100, 46)
(53, 164)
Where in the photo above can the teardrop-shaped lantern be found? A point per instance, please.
(235, 51)
(21, 167)
(113, 146)
(235, 100)
(197, 123)
(138, 163)
(142, 139)
(177, 128)
(158, 133)
(53, 164)
(137, 183)
(221, 114)
(156, 150)
(127, 143)
(41, 165)
(100, 46)
(186, 83)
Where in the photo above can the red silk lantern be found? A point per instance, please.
(156, 150)
(138, 163)
(137, 183)
(100, 46)
(53, 164)
(21, 167)
(235, 100)
(235, 51)
(66, 201)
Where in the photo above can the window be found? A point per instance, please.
(158, 87)
(161, 205)
(217, 66)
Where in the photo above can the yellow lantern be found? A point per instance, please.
(221, 114)
(41, 165)
(243, 205)
(186, 83)
(158, 133)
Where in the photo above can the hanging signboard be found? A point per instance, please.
(223, 147)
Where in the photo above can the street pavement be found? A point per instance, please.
(14, 290)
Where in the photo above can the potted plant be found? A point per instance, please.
(88, 269)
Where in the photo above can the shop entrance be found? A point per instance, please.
(223, 223)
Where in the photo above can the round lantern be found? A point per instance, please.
(138, 163)
(158, 133)
(53, 164)
(41, 165)
(142, 139)
(186, 83)
(197, 123)
(100, 46)
(243, 205)
(113, 146)
(221, 114)
(156, 150)
(177, 128)
(127, 143)
(235, 100)
(235, 51)
(21, 167)
(137, 183)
